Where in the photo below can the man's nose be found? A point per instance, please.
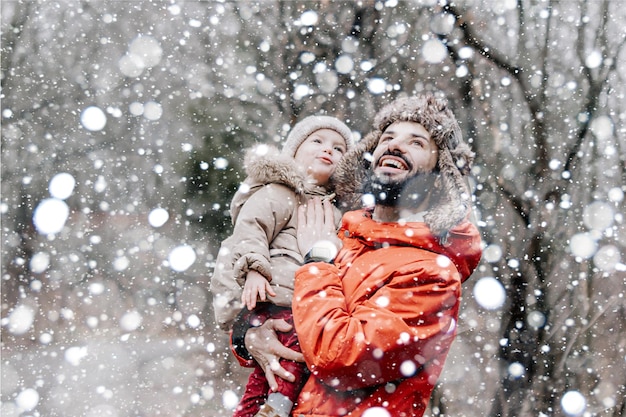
(395, 144)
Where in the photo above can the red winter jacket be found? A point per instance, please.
(375, 327)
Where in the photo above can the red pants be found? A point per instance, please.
(257, 388)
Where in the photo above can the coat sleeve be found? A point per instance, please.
(353, 339)
(464, 248)
(263, 216)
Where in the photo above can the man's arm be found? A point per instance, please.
(262, 345)
(362, 339)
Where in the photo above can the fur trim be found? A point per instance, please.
(265, 164)
(452, 197)
(352, 170)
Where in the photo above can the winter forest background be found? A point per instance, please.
(123, 125)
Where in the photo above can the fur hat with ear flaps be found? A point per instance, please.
(450, 202)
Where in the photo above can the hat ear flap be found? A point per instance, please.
(352, 171)
(453, 195)
(370, 142)
(463, 158)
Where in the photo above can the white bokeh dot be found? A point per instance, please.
(158, 217)
(583, 245)
(62, 185)
(27, 400)
(93, 119)
(50, 216)
(181, 258)
(230, 400)
(489, 293)
(573, 403)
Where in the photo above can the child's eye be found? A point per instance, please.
(340, 149)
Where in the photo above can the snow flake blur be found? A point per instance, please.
(376, 412)
(489, 293)
(573, 403)
(143, 52)
(158, 217)
(93, 118)
(62, 185)
(27, 400)
(434, 51)
(21, 319)
(181, 258)
(309, 18)
(50, 216)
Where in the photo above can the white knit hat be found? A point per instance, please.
(310, 124)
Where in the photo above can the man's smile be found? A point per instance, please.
(389, 161)
(392, 162)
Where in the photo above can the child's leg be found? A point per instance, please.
(255, 394)
(291, 390)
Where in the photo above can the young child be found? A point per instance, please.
(255, 267)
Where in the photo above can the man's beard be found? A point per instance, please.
(409, 192)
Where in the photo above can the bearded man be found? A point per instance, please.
(376, 305)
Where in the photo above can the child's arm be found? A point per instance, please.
(256, 287)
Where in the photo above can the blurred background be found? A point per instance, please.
(123, 129)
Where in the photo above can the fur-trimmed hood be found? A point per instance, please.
(450, 201)
(265, 164)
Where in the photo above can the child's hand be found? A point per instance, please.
(256, 287)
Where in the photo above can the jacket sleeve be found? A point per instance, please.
(464, 248)
(260, 219)
(405, 323)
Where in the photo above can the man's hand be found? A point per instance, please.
(316, 222)
(256, 287)
(266, 349)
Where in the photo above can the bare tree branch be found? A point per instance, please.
(596, 85)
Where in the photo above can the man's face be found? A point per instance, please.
(401, 164)
(404, 150)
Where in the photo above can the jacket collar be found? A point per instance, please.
(463, 247)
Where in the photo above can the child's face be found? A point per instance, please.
(320, 153)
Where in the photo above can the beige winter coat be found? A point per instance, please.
(264, 235)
